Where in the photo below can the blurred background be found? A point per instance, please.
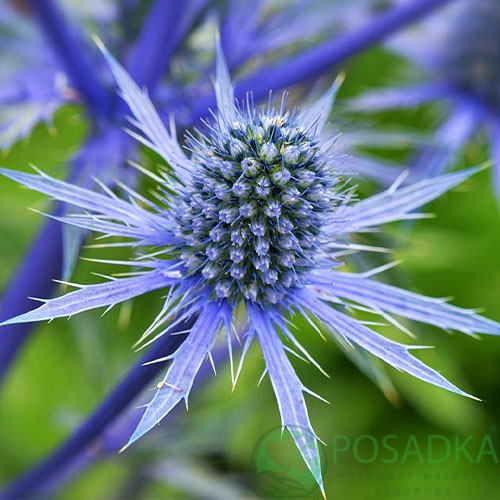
(68, 367)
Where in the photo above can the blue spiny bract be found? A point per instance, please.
(251, 220)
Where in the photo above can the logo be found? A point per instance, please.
(278, 466)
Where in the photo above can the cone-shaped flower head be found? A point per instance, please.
(254, 217)
(251, 220)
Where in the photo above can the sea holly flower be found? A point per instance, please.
(268, 250)
(459, 50)
(72, 74)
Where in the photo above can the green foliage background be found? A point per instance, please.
(69, 366)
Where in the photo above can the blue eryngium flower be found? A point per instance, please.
(250, 220)
(459, 49)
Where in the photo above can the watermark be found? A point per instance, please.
(378, 465)
(432, 449)
(278, 467)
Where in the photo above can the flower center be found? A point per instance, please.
(473, 50)
(250, 223)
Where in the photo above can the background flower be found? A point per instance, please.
(458, 53)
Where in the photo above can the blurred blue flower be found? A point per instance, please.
(32, 87)
(459, 48)
(250, 224)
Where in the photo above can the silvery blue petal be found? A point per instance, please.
(395, 354)
(105, 205)
(393, 205)
(147, 119)
(104, 156)
(288, 389)
(186, 362)
(369, 365)
(399, 97)
(406, 304)
(316, 115)
(224, 89)
(94, 296)
(141, 233)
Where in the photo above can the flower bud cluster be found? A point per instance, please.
(250, 222)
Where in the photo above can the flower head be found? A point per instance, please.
(249, 223)
(253, 218)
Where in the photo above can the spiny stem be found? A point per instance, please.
(163, 30)
(109, 410)
(317, 61)
(117, 433)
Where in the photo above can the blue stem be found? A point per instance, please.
(71, 55)
(321, 59)
(117, 433)
(34, 277)
(159, 37)
(120, 398)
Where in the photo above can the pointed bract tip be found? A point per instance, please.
(133, 438)
(217, 38)
(470, 396)
(322, 489)
(98, 42)
(7, 322)
(123, 448)
(339, 80)
(222, 70)
(38, 170)
(474, 170)
(484, 166)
